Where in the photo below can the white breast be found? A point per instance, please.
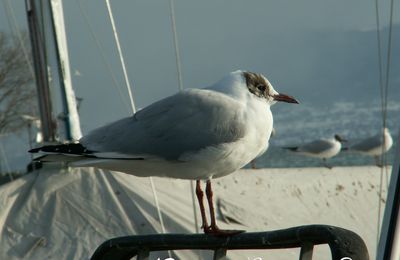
(230, 157)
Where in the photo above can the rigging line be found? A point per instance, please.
(381, 84)
(386, 88)
(387, 76)
(388, 59)
(175, 34)
(121, 57)
(388, 62)
(384, 97)
(378, 224)
(153, 188)
(180, 84)
(103, 57)
(10, 12)
(378, 36)
(196, 221)
(133, 106)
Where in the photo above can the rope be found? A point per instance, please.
(177, 56)
(153, 188)
(196, 221)
(378, 224)
(385, 90)
(180, 84)
(384, 87)
(103, 57)
(388, 60)
(128, 86)
(121, 57)
(378, 36)
(382, 109)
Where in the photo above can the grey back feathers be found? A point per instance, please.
(316, 146)
(368, 144)
(161, 129)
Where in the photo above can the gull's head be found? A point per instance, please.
(259, 86)
(340, 139)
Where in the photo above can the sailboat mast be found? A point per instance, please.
(70, 112)
(41, 73)
(50, 53)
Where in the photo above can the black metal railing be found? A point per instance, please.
(344, 244)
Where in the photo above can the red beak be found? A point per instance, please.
(285, 98)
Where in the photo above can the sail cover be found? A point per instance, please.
(67, 213)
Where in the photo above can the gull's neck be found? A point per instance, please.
(232, 84)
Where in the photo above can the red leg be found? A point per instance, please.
(210, 194)
(213, 228)
(200, 195)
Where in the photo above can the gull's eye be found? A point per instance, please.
(261, 87)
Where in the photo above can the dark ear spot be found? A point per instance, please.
(256, 84)
(261, 88)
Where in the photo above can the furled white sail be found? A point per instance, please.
(71, 112)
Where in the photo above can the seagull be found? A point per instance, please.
(197, 134)
(253, 163)
(374, 146)
(322, 148)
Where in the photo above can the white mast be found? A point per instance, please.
(46, 24)
(71, 117)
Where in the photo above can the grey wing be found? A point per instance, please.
(368, 144)
(317, 146)
(185, 122)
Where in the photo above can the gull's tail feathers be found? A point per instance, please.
(79, 156)
(59, 158)
(69, 148)
(70, 152)
(291, 148)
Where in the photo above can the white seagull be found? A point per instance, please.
(198, 134)
(253, 163)
(375, 145)
(322, 148)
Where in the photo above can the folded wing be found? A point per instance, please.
(188, 121)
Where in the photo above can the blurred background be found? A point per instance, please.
(324, 53)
